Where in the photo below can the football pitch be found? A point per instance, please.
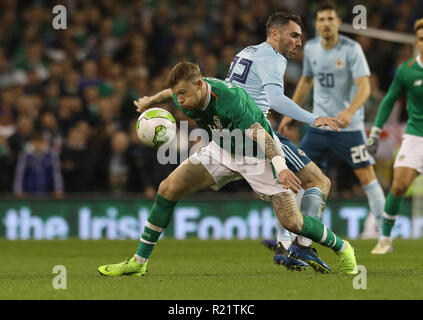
(201, 270)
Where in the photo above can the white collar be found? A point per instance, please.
(208, 97)
(419, 61)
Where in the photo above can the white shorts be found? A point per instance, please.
(224, 168)
(410, 154)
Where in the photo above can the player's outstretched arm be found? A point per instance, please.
(146, 102)
(301, 92)
(363, 93)
(285, 176)
(323, 122)
(280, 103)
(330, 122)
(302, 89)
(385, 109)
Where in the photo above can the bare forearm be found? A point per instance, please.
(163, 96)
(363, 93)
(145, 103)
(300, 94)
(302, 90)
(265, 141)
(359, 99)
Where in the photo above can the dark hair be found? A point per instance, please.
(183, 71)
(327, 5)
(281, 18)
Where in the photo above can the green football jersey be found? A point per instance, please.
(229, 112)
(408, 80)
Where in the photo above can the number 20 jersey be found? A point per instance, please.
(334, 71)
(253, 68)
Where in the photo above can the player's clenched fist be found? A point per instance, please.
(142, 104)
(289, 180)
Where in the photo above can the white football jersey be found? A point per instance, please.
(256, 66)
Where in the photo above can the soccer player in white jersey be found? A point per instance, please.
(336, 68)
(259, 69)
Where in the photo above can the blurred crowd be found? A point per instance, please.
(67, 121)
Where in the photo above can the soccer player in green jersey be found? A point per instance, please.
(221, 107)
(409, 161)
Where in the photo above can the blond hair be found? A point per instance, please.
(418, 25)
(183, 71)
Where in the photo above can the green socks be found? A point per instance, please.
(392, 207)
(315, 230)
(161, 214)
(157, 222)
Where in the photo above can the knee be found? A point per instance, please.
(325, 184)
(167, 190)
(399, 189)
(365, 175)
(163, 188)
(320, 181)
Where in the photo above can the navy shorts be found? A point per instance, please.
(295, 158)
(318, 144)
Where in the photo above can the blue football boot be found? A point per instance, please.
(270, 244)
(282, 257)
(309, 255)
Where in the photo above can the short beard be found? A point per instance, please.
(286, 54)
(291, 55)
(329, 37)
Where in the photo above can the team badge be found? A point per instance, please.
(301, 152)
(339, 63)
(401, 157)
(217, 122)
(418, 83)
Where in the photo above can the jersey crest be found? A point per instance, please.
(339, 63)
(217, 122)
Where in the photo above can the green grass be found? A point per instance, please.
(196, 269)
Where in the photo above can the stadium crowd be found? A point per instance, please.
(67, 122)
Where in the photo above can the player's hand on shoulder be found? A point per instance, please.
(326, 122)
(289, 180)
(142, 103)
(372, 142)
(345, 116)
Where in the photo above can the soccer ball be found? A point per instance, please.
(156, 127)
